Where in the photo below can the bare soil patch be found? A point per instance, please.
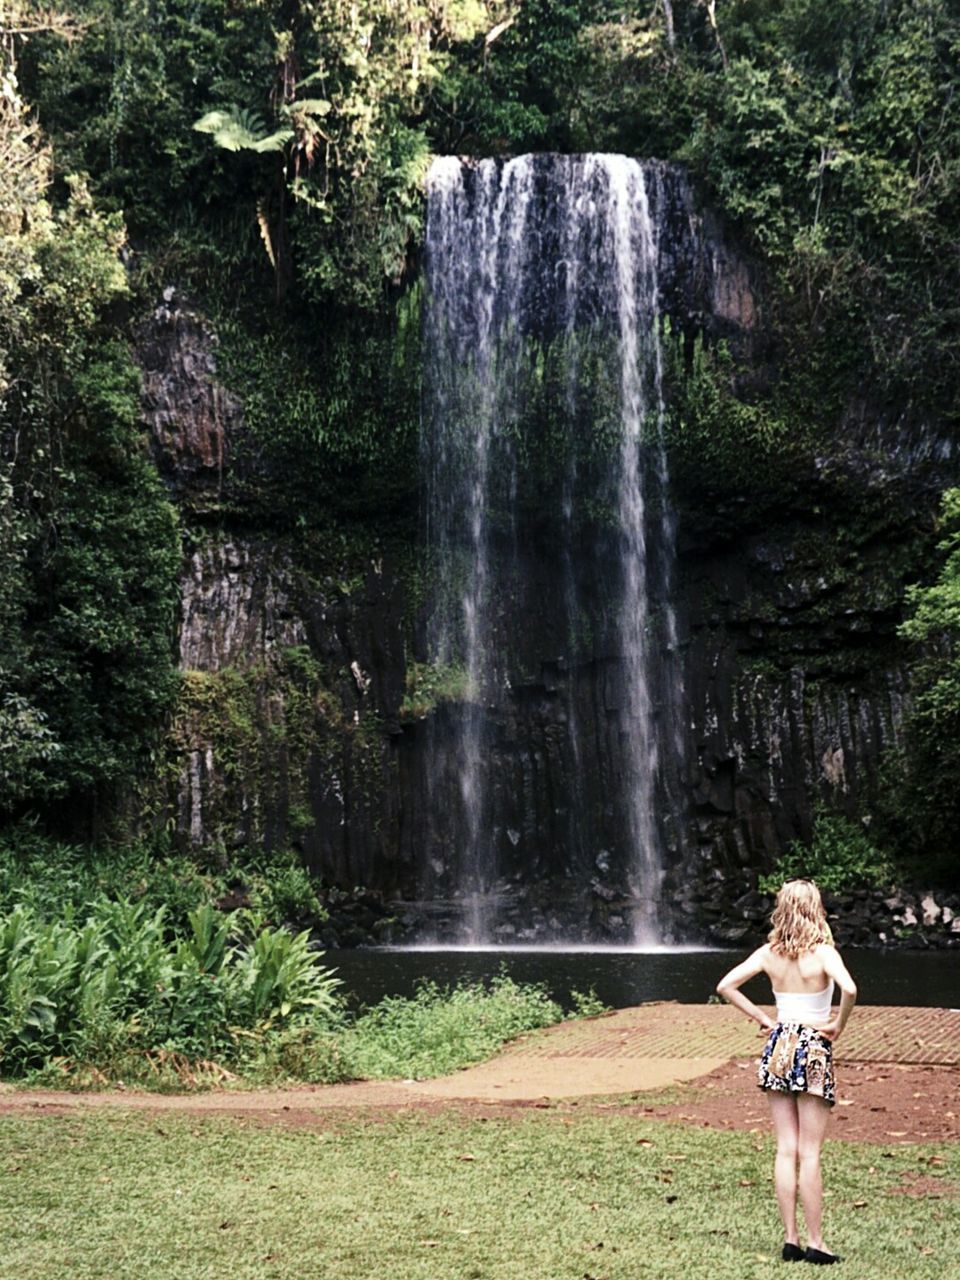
(877, 1102)
(635, 1061)
(924, 1186)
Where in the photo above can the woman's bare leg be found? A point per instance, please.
(813, 1114)
(783, 1109)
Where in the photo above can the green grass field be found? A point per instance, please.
(544, 1195)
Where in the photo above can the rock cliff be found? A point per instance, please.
(311, 717)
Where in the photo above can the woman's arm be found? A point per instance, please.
(837, 970)
(729, 987)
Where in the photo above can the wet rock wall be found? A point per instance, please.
(297, 725)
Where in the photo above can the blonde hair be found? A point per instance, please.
(799, 921)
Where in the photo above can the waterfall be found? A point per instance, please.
(542, 429)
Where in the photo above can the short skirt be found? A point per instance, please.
(797, 1059)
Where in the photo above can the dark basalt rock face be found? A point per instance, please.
(292, 688)
(793, 681)
(193, 421)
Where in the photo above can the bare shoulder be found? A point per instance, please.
(834, 966)
(755, 963)
(760, 960)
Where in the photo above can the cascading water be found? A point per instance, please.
(543, 410)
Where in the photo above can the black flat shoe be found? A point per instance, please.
(792, 1253)
(821, 1259)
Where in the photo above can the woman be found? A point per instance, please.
(796, 1067)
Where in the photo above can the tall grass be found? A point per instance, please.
(440, 1030)
(435, 1031)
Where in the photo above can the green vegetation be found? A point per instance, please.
(267, 158)
(429, 685)
(89, 991)
(822, 130)
(722, 442)
(545, 1195)
(346, 436)
(168, 989)
(439, 1030)
(88, 543)
(54, 880)
(924, 809)
(840, 856)
(436, 1031)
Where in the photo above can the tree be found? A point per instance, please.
(927, 808)
(88, 543)
(350, 83)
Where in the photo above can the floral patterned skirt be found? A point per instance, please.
(797, 1059)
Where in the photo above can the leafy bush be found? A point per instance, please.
(439, 1029)
(429, 685)
(587, 1004)
(51, 878)
(922, 801)
(435, 1031)
(279, 887)
(115, 982)
(840, 856)
(109, 993)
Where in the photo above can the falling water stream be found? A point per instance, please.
(527, 259)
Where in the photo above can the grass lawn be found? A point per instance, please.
(541, 1195)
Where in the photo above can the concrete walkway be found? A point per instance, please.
(632, 1050)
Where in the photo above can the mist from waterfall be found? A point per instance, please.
(542, 281)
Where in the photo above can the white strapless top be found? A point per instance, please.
(804, 1006)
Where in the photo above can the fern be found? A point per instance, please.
(240, 130)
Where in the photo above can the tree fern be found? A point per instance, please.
(240, 130)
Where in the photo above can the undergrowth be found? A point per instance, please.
(93, 988)
(122, 965)
(435, 1031)
(112, 995)
(51, 878)
(839, 856)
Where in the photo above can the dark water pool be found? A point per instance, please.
(620, 978)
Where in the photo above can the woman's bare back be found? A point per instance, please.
(806, 973)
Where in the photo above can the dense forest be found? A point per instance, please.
(265, 160)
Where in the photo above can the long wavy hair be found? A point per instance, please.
(799, 921)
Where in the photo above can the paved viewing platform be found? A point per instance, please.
(877, 1033)
(654, 1045)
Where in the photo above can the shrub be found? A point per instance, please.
(439, 1029)
(115, 982)
(279, 887)
(51, 878)
(839, 856)
(587, 1004)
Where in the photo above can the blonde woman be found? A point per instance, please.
(796, 1066)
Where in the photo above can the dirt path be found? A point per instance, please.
(883, 1103)
(692, 1064)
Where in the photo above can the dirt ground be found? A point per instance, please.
(883, 1104)
(886, 1104)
